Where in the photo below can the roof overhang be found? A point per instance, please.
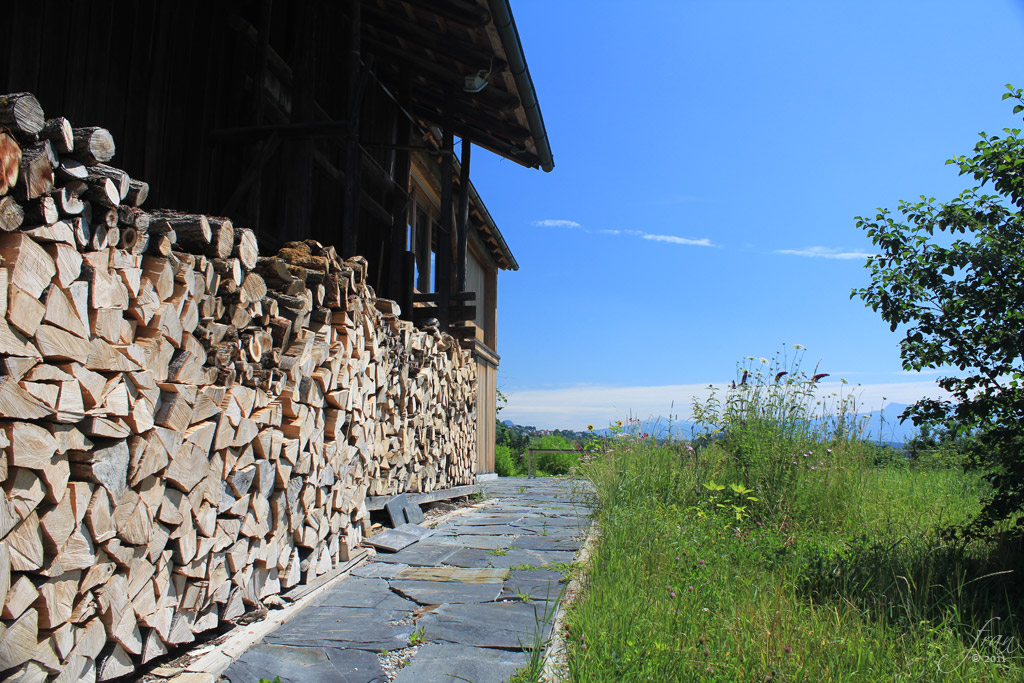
(441, 44)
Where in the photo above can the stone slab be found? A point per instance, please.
(379, 570)
(439, 592)
(306, 665)
(547, 543)
(324, 627)
(422, 554)
(508, 625)
(369, 593)
(459, 574)
(449, 663)
(543, 584)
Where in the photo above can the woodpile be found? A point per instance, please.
(186, 427)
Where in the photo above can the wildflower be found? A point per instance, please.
(704, 609)
(787, 649)
(819, 376)
(701, 562)
(799, 347)
(743, 381)
(689, 588)
(672, 594)
(780, 375)
(590, 428)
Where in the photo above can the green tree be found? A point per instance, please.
(950, 275)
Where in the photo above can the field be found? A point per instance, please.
(782, 547)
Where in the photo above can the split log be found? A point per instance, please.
(10, 162)
(11, 214)
(35, 174)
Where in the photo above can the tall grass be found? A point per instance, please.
(783, 547)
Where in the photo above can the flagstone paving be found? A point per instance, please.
(473, 596)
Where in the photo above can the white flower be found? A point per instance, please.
(799, 347)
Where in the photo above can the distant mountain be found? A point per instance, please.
(883, 425)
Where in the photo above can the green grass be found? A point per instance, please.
(840, 570)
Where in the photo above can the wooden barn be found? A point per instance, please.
(327, 120)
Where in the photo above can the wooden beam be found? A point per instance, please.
(491, 97)
(400, 206)
(468, 14)
(443, 260)
(350, 219)
(463, 235)
(298, 198)
(378, 502)
(392, 25)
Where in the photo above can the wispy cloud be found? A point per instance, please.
(556, 223)
(575, 407)
(826, 252)
(672, 239)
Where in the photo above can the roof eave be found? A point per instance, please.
(501, 15)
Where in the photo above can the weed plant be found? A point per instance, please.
(783, 546)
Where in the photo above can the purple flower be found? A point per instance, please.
(819, 376)
(780, 375)
(787, 649)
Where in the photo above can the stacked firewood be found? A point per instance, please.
(186, 427)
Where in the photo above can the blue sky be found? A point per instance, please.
(709, 161)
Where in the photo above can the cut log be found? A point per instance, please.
(103, 191)
(21, 112)
(58, 131)
(42, 211)
(118, 177)
(192, 231)
(222, 238)
(137, 193)
(93, 145)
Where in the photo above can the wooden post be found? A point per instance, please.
(463, 235)
(443, 260)
(254, 200)
(400, 202)
(350, 218)
(424, 243)
(299, 152)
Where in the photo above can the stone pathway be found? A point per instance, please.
(471, 598)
